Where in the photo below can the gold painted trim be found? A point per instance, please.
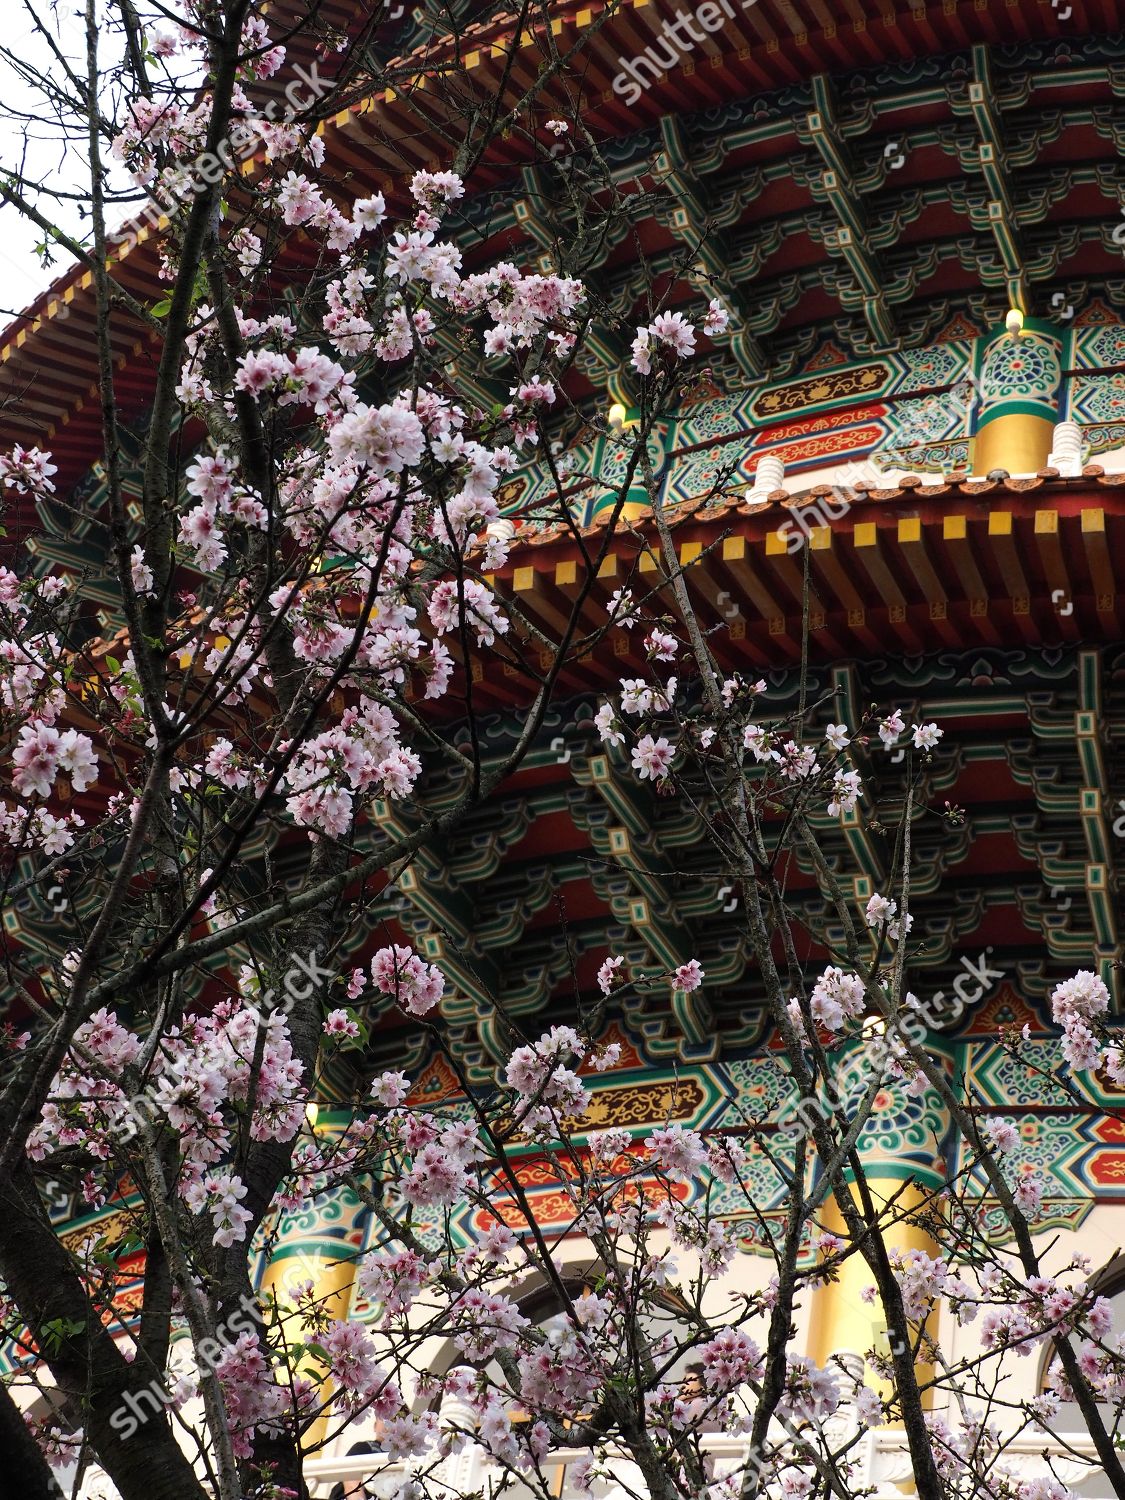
(1019, 443)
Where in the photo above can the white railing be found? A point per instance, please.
(887, 1468)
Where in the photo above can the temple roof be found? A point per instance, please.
(855, 179)
(993, 608)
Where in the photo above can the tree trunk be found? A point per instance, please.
(25, 1474)
(126, 1423)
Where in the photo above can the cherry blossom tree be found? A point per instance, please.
(305, 613)
(308, 600)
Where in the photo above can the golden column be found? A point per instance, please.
(320, 1246)
(1019, 374)
(842, 1321)
(901, 1150)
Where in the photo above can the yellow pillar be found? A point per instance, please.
(842, 1322)
(902, 1150)
(1019, 378)
(307, 1250)
(1019, 443)
(331, 1269)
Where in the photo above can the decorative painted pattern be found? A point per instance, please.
(929, 433)
(853, 383)
(1097, 402)
(997, 1079)
(937, 365)
(1020, 367)
(722, 416)
(1103, 439)
(1019, 374)
(1050, 1150)
(611, 460)
(725, 468)
(551, 1198)
(1099, 348)
(906, 1135)
(916, 409)
(764, 1185)
(760, 1086)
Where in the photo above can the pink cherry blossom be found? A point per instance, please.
(688, 977)
(338, 1023)
(652, 757)
(416, 985)
(609, 975)
(730, 1359)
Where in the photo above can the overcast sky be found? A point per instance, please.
(34, 147)
(33, 143)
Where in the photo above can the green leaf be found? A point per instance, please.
(60, 1328)
(162, 308)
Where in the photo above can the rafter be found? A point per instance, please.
(689, 216)
(978, 101)
(443, 919)
(643, 899)
(836, 187)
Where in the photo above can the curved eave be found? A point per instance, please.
(931, 256)
(910, 570)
